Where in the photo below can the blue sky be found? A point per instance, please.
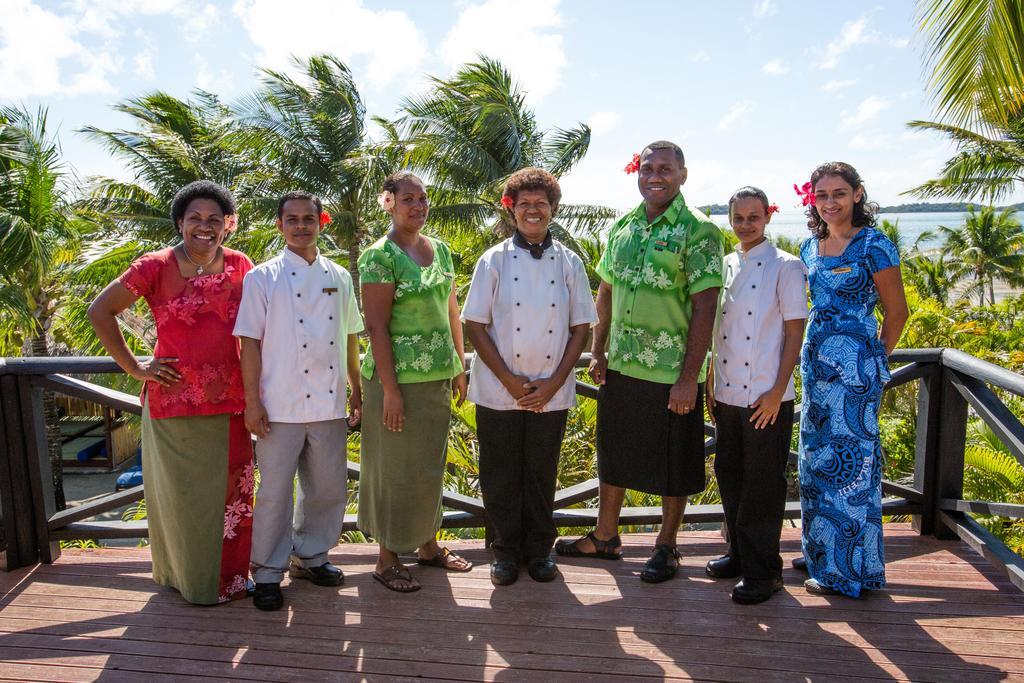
(755, 91)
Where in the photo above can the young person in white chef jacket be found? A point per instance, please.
(297, 323)
(756, 345)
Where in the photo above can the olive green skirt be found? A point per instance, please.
(401, 473)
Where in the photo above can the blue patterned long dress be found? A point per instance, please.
(844, 368)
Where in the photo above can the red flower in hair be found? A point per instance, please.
(806, 193)
(325, 218)
(506, 201)
(634, 165)
(773, 208)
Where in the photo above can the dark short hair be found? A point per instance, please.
(748, 192)
(201, 189)
(300, 195)
(665, 144)
(863, 211)
(533, 179)
(392, 182)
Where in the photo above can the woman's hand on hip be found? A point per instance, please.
(159, 370)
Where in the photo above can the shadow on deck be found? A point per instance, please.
(946, 615)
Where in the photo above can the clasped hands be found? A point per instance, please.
(529, 394)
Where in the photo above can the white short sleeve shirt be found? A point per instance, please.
(303, 314)
(528, 306)
(762, 288)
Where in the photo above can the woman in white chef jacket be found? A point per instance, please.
(528, 314)
(750, 395)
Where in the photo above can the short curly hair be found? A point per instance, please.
(201, 189)
(533, 179)
(863, 211)
(392, 182)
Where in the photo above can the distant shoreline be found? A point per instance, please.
(920, 207)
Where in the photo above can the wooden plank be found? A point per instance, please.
(988, 373)
(984, 543)
(96, 507)
(577, 493)
(469, 504)
(926, 448)
(912, 495)
(951, 428)
(993, 411)
(9, 555)
(983, 507)
(69, 386)
(699, 514)
(102, 530)
(908, 373)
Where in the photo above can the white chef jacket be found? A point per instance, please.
(528, 306)
(762, 288)
(303, 314)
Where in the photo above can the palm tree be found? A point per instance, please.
(311, 134)
(976, 55)
(931, 276)
(468, 133)
(40, 238)
(987, 247)
(987, 166)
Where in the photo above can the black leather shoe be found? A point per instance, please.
(267, 596)
(753, 591)
(662, 566)
(725, 567)
(504, 572)
(542, 569)
(800, 564)
(324, 575)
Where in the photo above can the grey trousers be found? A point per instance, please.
(316, 452)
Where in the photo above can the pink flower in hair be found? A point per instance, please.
(806, 193)
(506, 201)
(634, 165)
(773, 208)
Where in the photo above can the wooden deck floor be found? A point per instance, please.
(95, 615)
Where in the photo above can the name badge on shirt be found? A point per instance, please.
(840, 271)
(330, 290)
(661, 245)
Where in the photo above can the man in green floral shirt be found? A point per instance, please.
(661, 273)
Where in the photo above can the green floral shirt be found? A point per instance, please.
(654, 270)
(421, 333)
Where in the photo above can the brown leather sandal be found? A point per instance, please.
(447, 560)
(395, 573)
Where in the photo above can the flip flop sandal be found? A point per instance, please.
(392, 575)
(445, 559)
(602, 549)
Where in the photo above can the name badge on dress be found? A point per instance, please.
(840, 271)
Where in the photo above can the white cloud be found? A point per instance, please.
(389, 40)
(775, 67)
(520, 33)
(735, 113)
(143, 64)
(867, 110)
(701, 56)
(852, 33)
(602, 122)
(32, 67)
(869, 140)
(837, 85)
(213, 80)
(765, 8)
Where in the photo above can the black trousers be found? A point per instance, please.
(750, 465)
(518, 469)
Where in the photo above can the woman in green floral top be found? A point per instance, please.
(414, 363)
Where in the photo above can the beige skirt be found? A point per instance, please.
(401, 473)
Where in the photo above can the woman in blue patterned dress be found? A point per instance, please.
(851, 268)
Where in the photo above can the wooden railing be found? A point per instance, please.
(951, 384)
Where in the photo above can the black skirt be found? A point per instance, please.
(642, 445)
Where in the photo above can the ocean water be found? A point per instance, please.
(912, 225)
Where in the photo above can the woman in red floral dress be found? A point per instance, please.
(197, 453)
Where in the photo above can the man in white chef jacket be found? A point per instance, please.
(297, 324)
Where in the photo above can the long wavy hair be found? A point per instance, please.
(863, 211)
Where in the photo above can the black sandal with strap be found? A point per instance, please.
(659, 568)
(603, 550)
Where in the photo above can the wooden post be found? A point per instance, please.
(929, 408)
(37, 459)
(15, 486)
(949, 450)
